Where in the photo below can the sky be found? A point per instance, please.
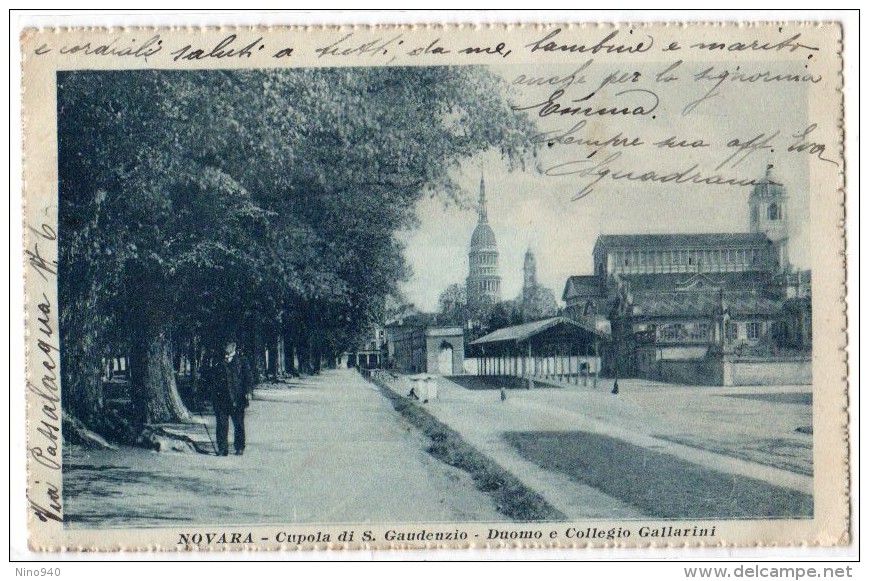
(528, 209)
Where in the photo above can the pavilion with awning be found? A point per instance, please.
(557, 349)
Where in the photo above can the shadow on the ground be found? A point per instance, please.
(105, 481)
(483, 382)
(661, 485)
(776, 452)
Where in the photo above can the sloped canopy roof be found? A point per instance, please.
(526, 331)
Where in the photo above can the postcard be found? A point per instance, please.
(371, 287)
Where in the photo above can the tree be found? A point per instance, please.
(452, 305)
(499, 317)
(538, 302)
(171, 218)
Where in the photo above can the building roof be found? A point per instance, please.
(581, 285)
(665, 282)
(414, 320)
(668, 241)
(589, 285)
(526, 331)
(687, 304)
(444, 331)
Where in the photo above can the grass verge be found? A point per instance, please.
(512, 498)
(659, 484)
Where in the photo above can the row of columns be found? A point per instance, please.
(554, 367)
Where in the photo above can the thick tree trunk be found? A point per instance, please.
(289, 355)
(196, 386)
(315, 354)
(193, 357)
(280, 356)
(303, 347)
(257, 358)
(272, 364)
(154, 391)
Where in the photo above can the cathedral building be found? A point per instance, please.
(668, 298)
(483, 283)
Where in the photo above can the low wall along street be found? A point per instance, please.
(732, 372)
(691, 371)
(768, 372)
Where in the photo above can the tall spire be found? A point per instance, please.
(529, 270)
(484, 217)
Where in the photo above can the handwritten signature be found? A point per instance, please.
(552, 105)
(602, 169)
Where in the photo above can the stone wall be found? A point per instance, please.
(706, 371)
(777, 371)
(729, 371)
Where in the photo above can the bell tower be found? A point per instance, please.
(529, 279)
(768, 214)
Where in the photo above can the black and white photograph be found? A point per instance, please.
(549, 286)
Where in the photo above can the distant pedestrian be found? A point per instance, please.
(231, 387)
(615, 390)
(503, 395)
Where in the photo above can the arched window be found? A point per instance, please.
(754, 215)
(774, 212)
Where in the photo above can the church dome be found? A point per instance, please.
(483, 236)
(768, 186)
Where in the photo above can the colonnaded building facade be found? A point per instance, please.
(723, 308)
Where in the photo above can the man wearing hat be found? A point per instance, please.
(231, 389)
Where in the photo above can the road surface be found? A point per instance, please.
(326, 449)
(735, 438)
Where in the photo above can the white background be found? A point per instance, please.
(616, 564)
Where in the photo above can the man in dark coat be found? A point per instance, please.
(232, 385)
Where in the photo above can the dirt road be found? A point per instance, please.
(324, 449)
